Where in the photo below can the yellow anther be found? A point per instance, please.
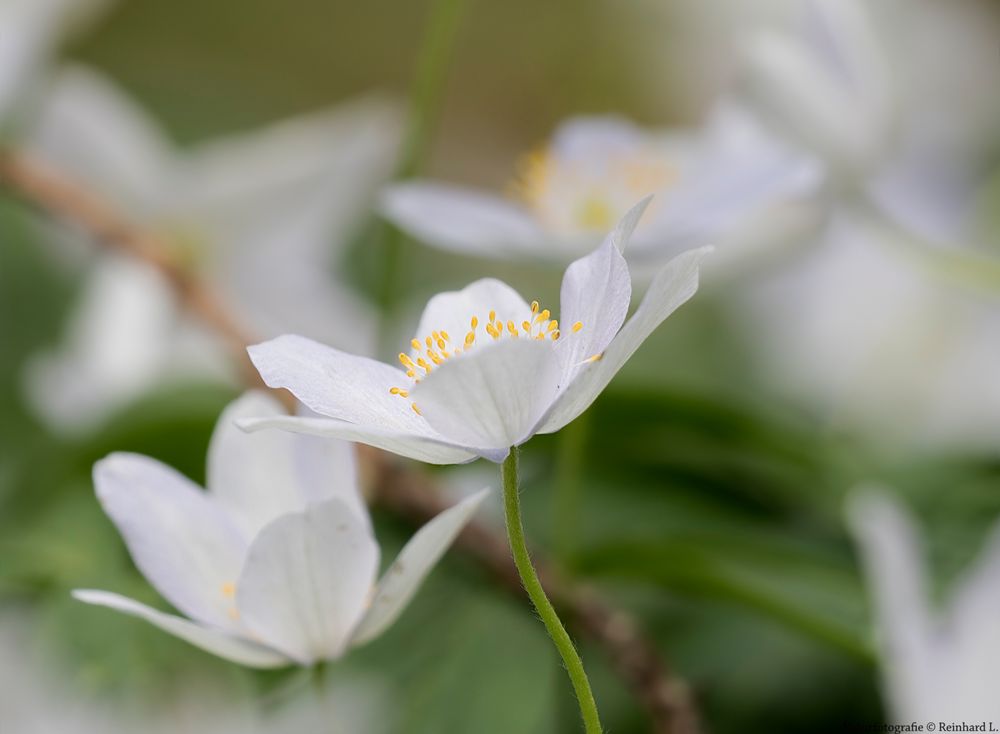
(394, 391)
(444, 335)
(526, 325)
(492, 331)
(441, 344)
(577, 326)
(229, 590)
(429, 342)
(435, 357)
(555, 334)
(415, 408)
(534, 307)
(411, 373)
(493, 315)
(404, 393)
(469, 338)
(511, 328)
(423, 364)
(405, 359)
(595, 358)
(543, 316)
(474, 323)
(416, 344)
(445, 354)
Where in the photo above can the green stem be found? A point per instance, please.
(566, 495)
(522, 559)
(425, 104)
(319, 679)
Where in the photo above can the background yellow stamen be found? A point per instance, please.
(577, 326)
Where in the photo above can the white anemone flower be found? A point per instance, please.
(568, 195)
(939, 664)
(276, 563)
(262, 215)
(486, 370)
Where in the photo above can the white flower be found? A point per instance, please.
(938, 664)
(567, 196)
(486, 371)
(831, 85)
(30, 31)
(276, 563)
(262, 216)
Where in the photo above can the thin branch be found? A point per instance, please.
(406, 493)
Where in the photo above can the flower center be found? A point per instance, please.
(579, 194)
(438, 347)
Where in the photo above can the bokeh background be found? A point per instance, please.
(711, 483)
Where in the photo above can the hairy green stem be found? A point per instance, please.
(522, 559)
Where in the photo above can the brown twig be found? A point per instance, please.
(399, 490)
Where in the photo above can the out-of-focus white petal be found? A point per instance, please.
(336, 384)
(116, 344)
(214, 641)
(670, 289)
(417, 447)
(258, 477)
(894, 567)
(183, 544)
(461, 220)
(90, 130)
(307, 580)
(402, 579)
(491, 398)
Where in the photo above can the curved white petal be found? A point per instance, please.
(894, 568)
(336, 384)
(491, 398)
(403, 578)
(184, 545)
(216, 642)
(596, 293)
(669, 290)
(307, 580)
(420, 448)
(461, 220)
(259, 477)
(90, 129)
(452, 311)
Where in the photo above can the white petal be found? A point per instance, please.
(420, 448)
(403, 578)
(259, 477)
(670, 289)
(89, 129)
(216, 642)
(307, 581)
(596, 292)
(491, 398)
(339, 385)
(183, 544)
(894, 570)
(461, 220)
(452, 311)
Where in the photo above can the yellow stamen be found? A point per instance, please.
(555, 335)
(595, 358)
(423, 364)
(435, 358)
(474, 323)
(229, 590)
(394, 391)
(577, 326)
(416, 344)
(469, 338)
(534, 307)
(543, 316)
(493, 315)
(411, 373)
(511, 328)
(444, 335)
(405, 359)
(415, 408)
(526, 325)
(553, 325)
(492, 331)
